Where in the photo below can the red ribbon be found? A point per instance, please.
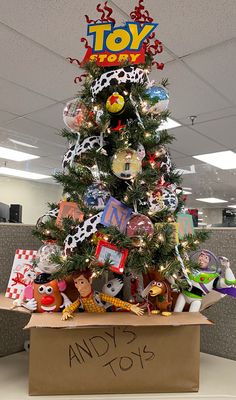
(158, 65)
(73, 61)
(104, 17)
(80, 78)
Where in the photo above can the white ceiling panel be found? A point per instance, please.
(45, 20)
(188, 94)
(18, 100)
(222, 130)
(214, 115)
(175, 154)
(51, 116)
(23, 127)
(186, 26)
(221, 60)
(186, 162)
(6, 116)
(190, 142)
(34, 67)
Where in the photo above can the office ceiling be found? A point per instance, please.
(200, 62)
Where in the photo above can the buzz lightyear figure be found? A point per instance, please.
(207, 278)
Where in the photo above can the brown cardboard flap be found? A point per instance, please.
(7, 304)
(85, 320)
(210, 299)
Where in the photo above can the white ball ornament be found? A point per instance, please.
(158, 100)
(162, 199)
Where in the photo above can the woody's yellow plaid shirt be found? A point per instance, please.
(91, 306)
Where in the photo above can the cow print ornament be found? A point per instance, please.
(82, 231)
(78, 149)
(162, 199)
(122, 75)
(164, 160)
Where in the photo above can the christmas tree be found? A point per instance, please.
(122, 194)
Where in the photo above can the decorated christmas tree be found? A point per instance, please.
(123, 205)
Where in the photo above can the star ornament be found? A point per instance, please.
(114, 99)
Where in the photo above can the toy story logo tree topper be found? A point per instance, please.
(114, 46)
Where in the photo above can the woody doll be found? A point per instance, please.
(93, 301)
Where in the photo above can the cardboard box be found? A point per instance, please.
(114, 353)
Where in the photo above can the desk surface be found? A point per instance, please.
(217, 381)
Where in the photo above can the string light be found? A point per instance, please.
(108, 130)
(196, 242)
(87, 260)
(90, 124)
(125, 93)
(147, 134)
(95, 108)
(162, 268)
(161, 237)
(126, 198)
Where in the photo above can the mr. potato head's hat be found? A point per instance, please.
(43, 278)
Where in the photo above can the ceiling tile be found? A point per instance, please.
(44, 29)
(187, 26)
(35, 67)
(191, 143)
(214, 115)
(23, 128)
(6, 116)
(222, 130)
(188, 94)
(18, 100)
(221, 60)
(51, 116)
(186, 162)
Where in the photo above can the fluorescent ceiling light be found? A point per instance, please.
(15, 155)
(221, 159)
(23, 143)
(21, 174)
(181, 171)
(212, 200)
(168, 124)
(233, 206)
(183, 191)
(200, 212)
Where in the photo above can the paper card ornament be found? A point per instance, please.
(117, 257)
(116, 214)
(69, 209)
(185, 222)
(22, 273)
(86, 229)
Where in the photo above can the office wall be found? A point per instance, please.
(32, 195)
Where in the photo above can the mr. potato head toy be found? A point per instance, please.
(46, 295)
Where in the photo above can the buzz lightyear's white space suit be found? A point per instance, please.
(203, 282)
